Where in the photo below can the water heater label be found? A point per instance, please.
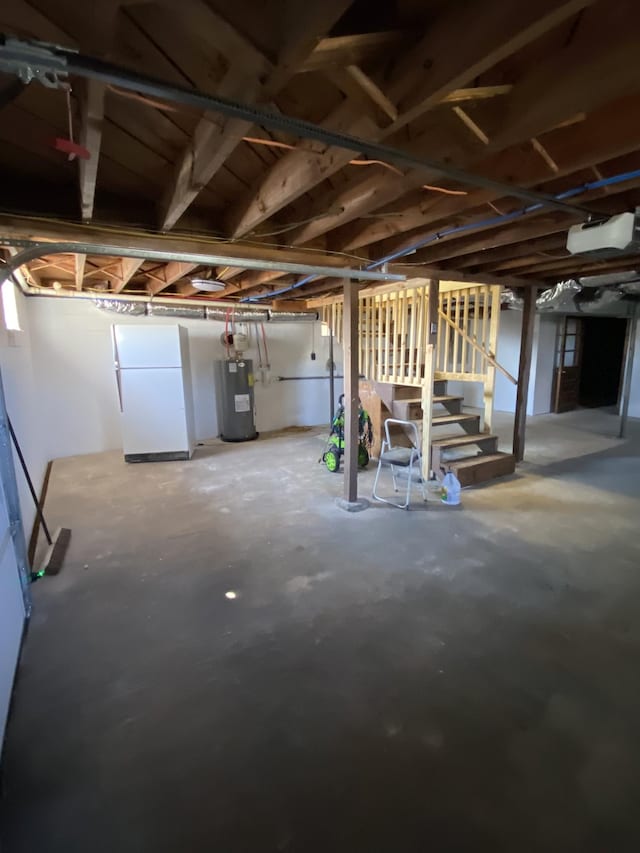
(243, 402)
(233, 367)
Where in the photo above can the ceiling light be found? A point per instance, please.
(208, 284)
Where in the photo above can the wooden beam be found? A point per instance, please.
(524, 370)
(351, 351)
(539, 223)
(577, 265)
(476, 93)
(80, 262)
(171, 272)
(479, 45)
(91, 122)
(484, 44)
(466, 119)
(27, 228)
(429, 369)
(609, 132)
(22, 19)
(602, 70)
(372, 91)
(128, 268)
(340, 51)
(215, 138)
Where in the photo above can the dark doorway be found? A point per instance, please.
(602, 353)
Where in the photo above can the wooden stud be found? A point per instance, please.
(456, 338)
(474, 336)
(484, 356)
(489, 387)
(379, 326)
(402, 334)
(465, 326)
(427, 406)
(485, 323)
(387, 337)
(524, 370)
(411, 365)
(447, 331)
(434, 302)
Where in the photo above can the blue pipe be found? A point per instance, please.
(470, 226)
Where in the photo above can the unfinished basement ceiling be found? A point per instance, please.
(549, 100)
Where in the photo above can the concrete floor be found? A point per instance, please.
(386, 681)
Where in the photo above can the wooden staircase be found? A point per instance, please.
(457, 442)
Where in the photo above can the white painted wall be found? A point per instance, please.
(22, 396)
(541, 383)
(508, 355)
(72, 355)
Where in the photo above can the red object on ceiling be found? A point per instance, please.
(67, 146)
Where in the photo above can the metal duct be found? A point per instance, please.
(561, 297)
(630, 287)
(155, 309)
(240, 315)
(293, 316)
(599, 300)
(188, 312)
(509, 298)
(121, 306)
(609, 278)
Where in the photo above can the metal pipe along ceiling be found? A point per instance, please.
(470, 226)
(33, 249)
(33, 60)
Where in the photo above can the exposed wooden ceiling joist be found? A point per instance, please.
(128, 268)
(601, 71)
(611, 131)
(340, 51)
(483, 45)
(216, 138)
(168, 275)
(80, 262)
(91, 123)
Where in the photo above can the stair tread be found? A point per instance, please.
(472, 461)
(455, 440)
(437, 420)
(439, 398)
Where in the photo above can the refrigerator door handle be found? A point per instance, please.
(119, 384)
(117, 367)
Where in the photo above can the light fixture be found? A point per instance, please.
(208, 284)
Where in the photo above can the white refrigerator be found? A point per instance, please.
(153, 379)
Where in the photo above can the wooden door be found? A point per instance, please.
(566, 386)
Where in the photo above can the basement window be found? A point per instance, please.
(10, 306)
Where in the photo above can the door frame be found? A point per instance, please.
(560, 356)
